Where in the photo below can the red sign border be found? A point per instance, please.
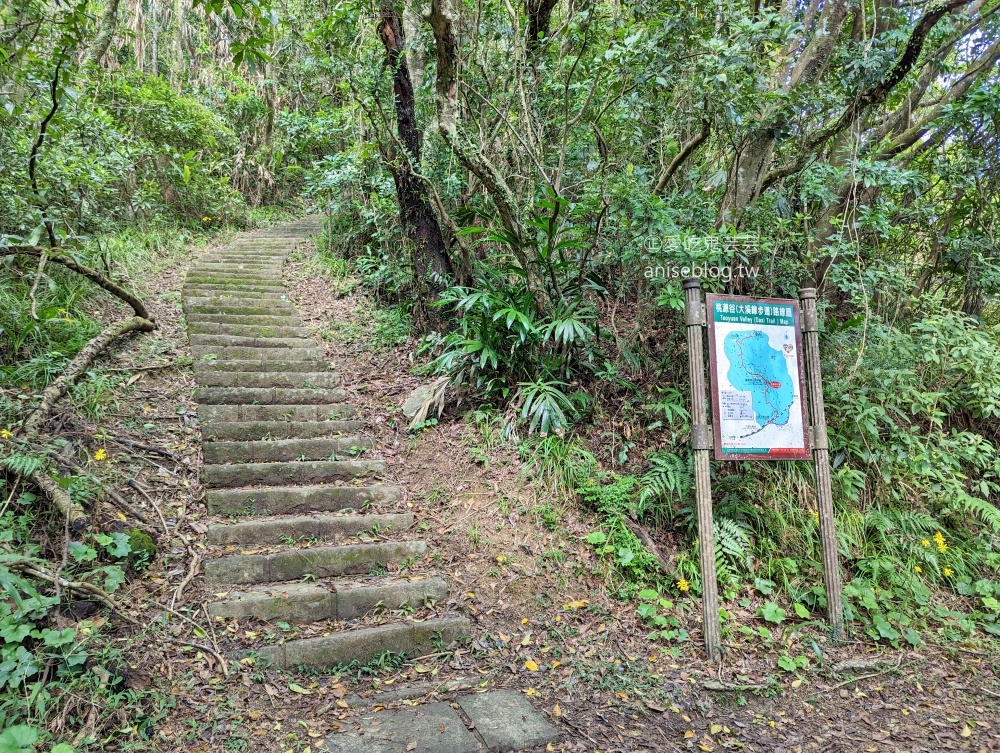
(806, 452)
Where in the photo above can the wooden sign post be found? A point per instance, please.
(701, 444)
(761, 355)
(821, 460)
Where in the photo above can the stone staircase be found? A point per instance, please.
(306, 535)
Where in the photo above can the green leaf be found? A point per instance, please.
(912, 637)
(596, 537)
(886, 630)
(648, 594)
(773, 613)
(801, 611)
(18, 739)
(787, 663)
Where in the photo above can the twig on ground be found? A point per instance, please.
(891, 668)
(728, 687)
(139, 488)
(201, 647)
(133, 445)
(192, 570)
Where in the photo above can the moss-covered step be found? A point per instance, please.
(237, 475)
(268, 396)
(249, 353)
(300, 379)
(298, 499)
(301, 603)
(316, 562)
(244, 431)
(412, 639)
(283, 450)
(247, 330)
(208, 414)
(321, 527)
(212, 366)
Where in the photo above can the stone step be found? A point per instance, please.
(231, 293)
(231, 262)
(229, 270)
(239, 475)
(268, 396)
(241, 341)
(203, 368)
(227, 265)
(284, 309)
(242, 266)
(362, 645)
(255, 276)
(268, 249)
(208, 414)
(249, 431)
(301, 379)
(298, 499)
(238, 286)
(283, 450)
(248, 353)
(301, 603)
(329, 528)
(241, 280)
(247, 330)
(320, 562)
(265, 320)
(240, 305)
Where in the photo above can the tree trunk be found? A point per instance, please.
(430, 259)
(539, 14)
(109, 23)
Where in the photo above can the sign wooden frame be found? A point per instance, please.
(805, 452)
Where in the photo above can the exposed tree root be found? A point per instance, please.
(141, 322)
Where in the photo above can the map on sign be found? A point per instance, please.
(757, 385)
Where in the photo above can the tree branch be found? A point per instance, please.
(874, 95)
(686, 151)
(91, 274)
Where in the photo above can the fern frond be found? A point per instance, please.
(981, 509)
(732, 543)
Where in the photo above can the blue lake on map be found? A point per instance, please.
(756, 367)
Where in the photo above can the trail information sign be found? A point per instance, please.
(758, 385)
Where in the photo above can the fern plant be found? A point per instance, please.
(668, 483)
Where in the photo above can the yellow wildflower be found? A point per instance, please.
(6, 433)
(815, 515)
(683, 585)
(206, 219)
(947, 572)
(918, 569)
(101, 454)
(939, 540)
(925, 542)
